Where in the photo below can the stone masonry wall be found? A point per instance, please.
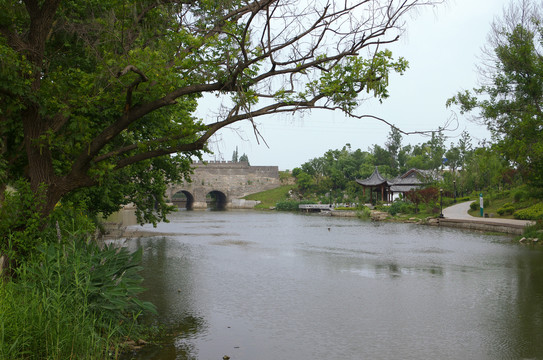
(239, 178)
(234, 180)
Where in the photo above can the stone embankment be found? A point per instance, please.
(456, 217)
(482, 225)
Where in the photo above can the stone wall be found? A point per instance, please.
(234, 180)
(481, 225)
(239, 178)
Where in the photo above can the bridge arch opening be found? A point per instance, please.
(216, 200)
(183, 200)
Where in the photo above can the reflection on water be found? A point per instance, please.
(264, 286)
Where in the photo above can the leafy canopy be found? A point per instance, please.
(97, 98)
(510, 103)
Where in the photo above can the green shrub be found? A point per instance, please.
(23, 228)
(364, 213)
(399, 207)
(463, 199)
(21, 222)
(519, 195)
(474, 206)
(506, 209)
(534, 212)
(534, 231)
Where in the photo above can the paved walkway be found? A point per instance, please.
(460, 212)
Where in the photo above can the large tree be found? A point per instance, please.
(100, 94)
(510, 100)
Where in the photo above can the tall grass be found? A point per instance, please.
(36, 326)
(73, 301)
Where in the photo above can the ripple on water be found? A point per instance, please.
(281, 286)
(233, 243)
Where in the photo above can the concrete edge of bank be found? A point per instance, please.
(468, 224)
(482, 225)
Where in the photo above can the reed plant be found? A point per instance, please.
(63, 295)
(73, 300)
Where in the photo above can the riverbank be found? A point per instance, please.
(455, 216)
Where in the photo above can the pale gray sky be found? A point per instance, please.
(442, 44)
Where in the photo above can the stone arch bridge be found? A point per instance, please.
(222, 185)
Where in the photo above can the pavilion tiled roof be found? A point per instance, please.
(412, 179)
(374, 180)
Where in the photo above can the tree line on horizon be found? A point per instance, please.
(460, 165)
(509, 103)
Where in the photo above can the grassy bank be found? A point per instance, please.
(270, 198)
(518, 203)
(505, 204)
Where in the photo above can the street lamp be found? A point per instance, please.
(330, 198)
(441, 203)
(454, 184)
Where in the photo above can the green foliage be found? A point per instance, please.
(534, 212)
(364, 213)
(534, 231)
(98, 98)
(400, 207)
(284, 176)
(483, 169)
(21, 222)
(305, 182)
(244, 158)
(142, 184)
(506, 209)
(474, 206)
(510, 102)
(345, 80)
(520, 195)
(75, 302)
(23, 228)
(339, 169)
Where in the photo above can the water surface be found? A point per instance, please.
(268, 286)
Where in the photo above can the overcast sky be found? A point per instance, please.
(442, 44)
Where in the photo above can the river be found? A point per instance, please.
(268, 285)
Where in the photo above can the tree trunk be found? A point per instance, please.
(40, 165)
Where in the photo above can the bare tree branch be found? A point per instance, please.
(250, 52)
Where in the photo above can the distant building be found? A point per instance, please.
(412, 179)
(377, 185)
